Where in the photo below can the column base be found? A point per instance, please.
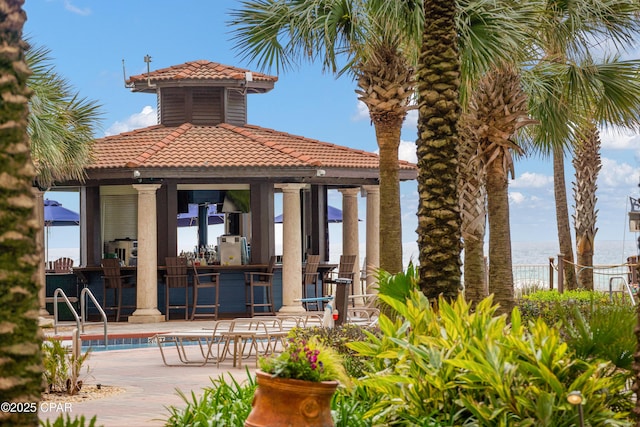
(292, 309)
(146, 315)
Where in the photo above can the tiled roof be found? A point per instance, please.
(224, 146)
(200, 70)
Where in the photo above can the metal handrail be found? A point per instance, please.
(83, 311)
(55, 309)
(626, 285)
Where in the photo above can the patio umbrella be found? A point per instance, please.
(190, 218)
(334, 215)
(55, 215)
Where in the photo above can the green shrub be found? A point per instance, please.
(62, 370)
(222, 404)
(66, 421)
(462, 367)
(338, 338)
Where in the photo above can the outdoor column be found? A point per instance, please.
(147, 277)
(373, 234)
(350, 239)
(291, 249)
(45, 317)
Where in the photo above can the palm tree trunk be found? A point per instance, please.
(475, 283)
(21, 367)
(500, 262)
(439, 239)
(562, 218)
(587, 164)
(388, 136)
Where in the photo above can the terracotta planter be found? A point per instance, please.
(285, 402)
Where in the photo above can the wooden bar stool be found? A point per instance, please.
(262, 280)
(310, 278)
(112, 279)
(213, 282)
(177, 277)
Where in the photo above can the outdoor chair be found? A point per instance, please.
(345, 273)
(115, 281)
(263, 281)
(62, 265)
(213, 301)
(177, 277)
(311, 278)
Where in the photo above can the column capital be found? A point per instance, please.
(146, 188)
(346, 192)
(371, 189)
(291, 187)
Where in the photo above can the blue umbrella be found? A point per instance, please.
(190, 218)
(56, 215)
(333, 215)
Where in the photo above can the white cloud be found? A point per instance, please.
(516, 197)
(407, 151)
(411, 121)
(147, 117)
(615, 174)
(362, 112)
(531, 180)
(75, 9)
(620, 140)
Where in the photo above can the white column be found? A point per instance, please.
(373, 234)
(147, 278)
(291, 249)
(350, 239)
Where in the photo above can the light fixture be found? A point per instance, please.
(136, 173)
(576, 399)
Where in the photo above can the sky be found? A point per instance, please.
(90, 39)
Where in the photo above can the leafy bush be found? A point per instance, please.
(62, 370)
(338, 338)
(66, 421)
(222, 404)
(592, 324)
(462, 367)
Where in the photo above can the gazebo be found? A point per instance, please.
(203, 151)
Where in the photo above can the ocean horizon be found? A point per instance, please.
(607, 252)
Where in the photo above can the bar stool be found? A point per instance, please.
(264, 281)
(112, 279)
(310, 277)
(177, 277)
(213, 282)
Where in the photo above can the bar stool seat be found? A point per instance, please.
(213, 283)
(262, 280)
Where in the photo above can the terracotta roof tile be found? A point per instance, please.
(223, 146)
(200, 70)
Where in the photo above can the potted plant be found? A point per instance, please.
(295, 387)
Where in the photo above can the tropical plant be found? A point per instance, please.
(307, 360)
(457, 366)
(21, 368)
(62, 125)
(62, 370)
(222, 404)
(65, 420)
(379, 51)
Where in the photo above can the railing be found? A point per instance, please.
(80, 320)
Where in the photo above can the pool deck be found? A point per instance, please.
(150, 385)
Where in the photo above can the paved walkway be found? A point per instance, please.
(150, 385)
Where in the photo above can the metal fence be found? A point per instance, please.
(547, 276)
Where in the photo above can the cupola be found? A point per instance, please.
(201, 92)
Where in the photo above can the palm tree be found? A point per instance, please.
(568, 33)
(62, 125)
(21, 367)
(379, 53)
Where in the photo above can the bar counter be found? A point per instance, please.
(232, 287)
